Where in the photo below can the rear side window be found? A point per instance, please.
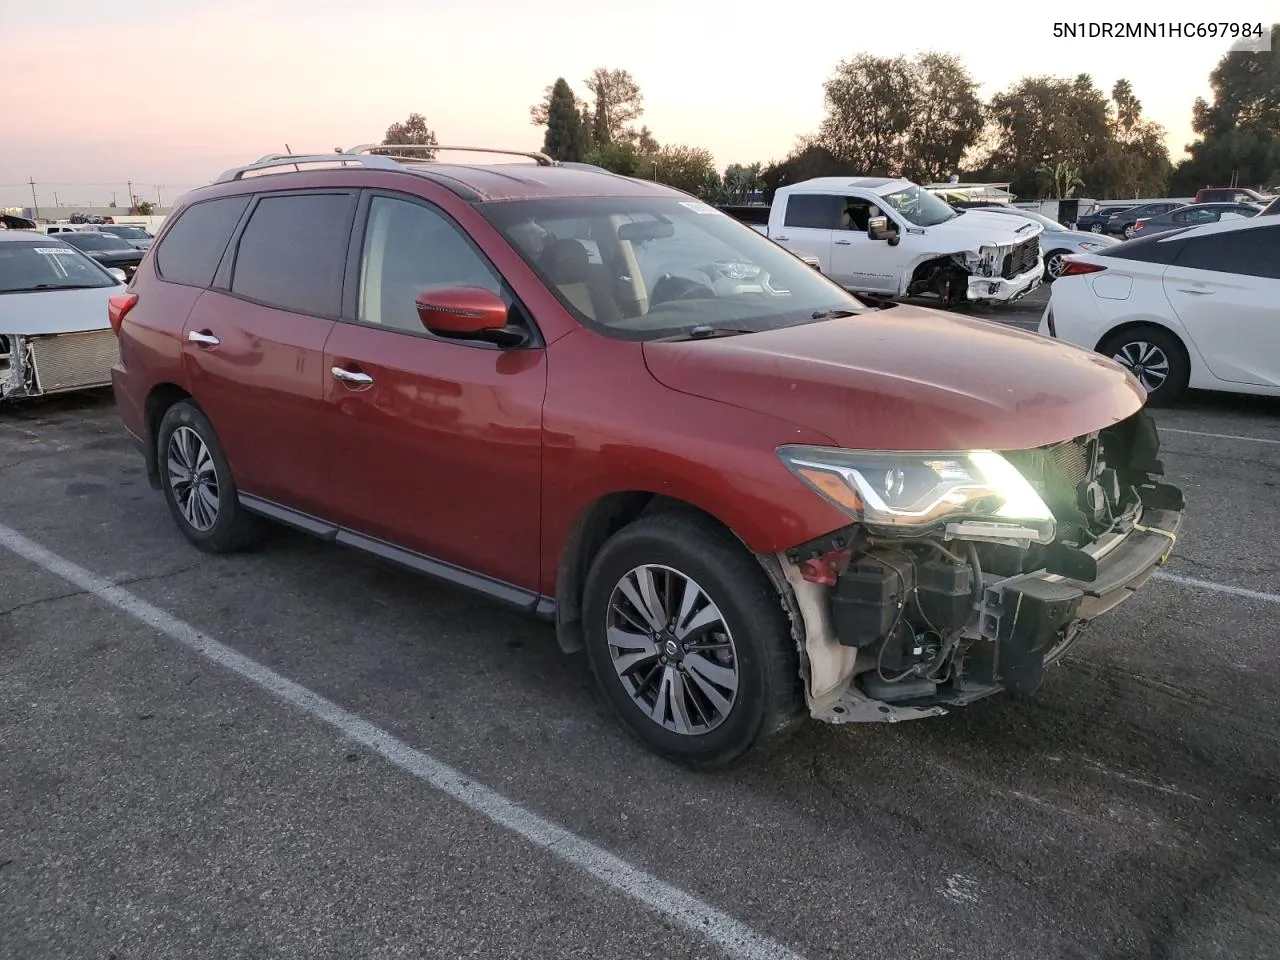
(818, 210)
(1162, 248)
(193, 247)
(293, 252)
(1254, 253)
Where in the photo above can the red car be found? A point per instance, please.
(752, 497)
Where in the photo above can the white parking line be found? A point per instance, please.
(1217, 587)
(734, 938)
(1216, 436)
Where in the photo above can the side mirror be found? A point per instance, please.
(118, 274)
(467, 313)
(879, 228)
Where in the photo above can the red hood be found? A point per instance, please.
(907, 378)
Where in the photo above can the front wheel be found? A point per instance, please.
(688, 641)
(1096, 228)
(1053, 265)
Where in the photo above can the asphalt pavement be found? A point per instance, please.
(304, 752)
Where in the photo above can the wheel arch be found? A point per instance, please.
(1131, 325)
(161, 397)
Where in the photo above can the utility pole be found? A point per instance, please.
(131, 204)
(113, 198)
(35, 204)
(55, 199)
(159, 202)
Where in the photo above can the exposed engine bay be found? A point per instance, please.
(900, 626)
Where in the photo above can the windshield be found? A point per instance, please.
(128, 233)
(41, 265)
(96, 241)
(642, 268)
(920, 206)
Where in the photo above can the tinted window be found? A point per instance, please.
(293, 251)
(1158, 249)
(47, 265)
(97, 241)
(814, 210)
(193, 246)
(1255, 253)
(407, 248)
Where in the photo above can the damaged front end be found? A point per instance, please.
(40, 365)
(966, 574)
(1002, 272)
(17, 372)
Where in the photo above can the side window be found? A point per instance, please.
(193, 246)
(857, 212)
(408, 248)
(1254, 253)
(293, 252)
(819, 210)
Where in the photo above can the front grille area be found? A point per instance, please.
(1073, 459)
(1021, 258)
(74, 361)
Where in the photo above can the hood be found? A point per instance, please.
(56, 311)
(115, 256)
(907, 378)
(976, 228)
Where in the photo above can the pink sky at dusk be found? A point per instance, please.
(170, 93)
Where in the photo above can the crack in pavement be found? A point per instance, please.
(129, 581)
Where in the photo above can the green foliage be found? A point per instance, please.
(413, 130)
(691, 169)
(566, 136)
(616, 157)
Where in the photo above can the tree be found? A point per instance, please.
(808, 160)
(142, 208)
(616, 157)
(1136, 162)
(645, 142)
(566, 136)
(1239, 129)
(412, 130)
(946, 117)
(690, 169)
(616, 102)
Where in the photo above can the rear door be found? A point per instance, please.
(808, 222)
(1225, 288)
(434, 445)
(254, 343)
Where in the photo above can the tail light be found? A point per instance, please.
(1075, 268)
(117, 307)
(1139, 225)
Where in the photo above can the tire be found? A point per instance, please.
(1095, 228)
(215, 522)
(1133, 348)
(676, 549)
(1053, 265)
(1129, 231)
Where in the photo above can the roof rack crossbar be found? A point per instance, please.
(367, 148)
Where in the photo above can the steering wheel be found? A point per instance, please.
(670, 288)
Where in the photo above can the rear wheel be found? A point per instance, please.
(1129, 231)
(197, 483)
(688, 641)
(1155, 357)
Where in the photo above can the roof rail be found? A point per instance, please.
(364, 156)
(368, 148)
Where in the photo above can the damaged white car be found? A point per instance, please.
(55, 330)
(894, 238)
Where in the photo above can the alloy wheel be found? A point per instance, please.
(1055, 265)
(1096, 228)
(193, 478)
(672, 650)
(1145, 361)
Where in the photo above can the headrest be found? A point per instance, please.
(565, 261)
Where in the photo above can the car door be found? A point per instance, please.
(857, 261)
(809, 219)
(434, 445)
(254, 343)
(1225, 288)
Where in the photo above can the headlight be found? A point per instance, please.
(910, 493)
(1089, 245)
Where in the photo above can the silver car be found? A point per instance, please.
(1058, 241)
(55, 331)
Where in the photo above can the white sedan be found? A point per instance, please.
(55, 330)
(1198, 307)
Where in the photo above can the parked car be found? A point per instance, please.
(108, 250)
(54, 333)
(1122, 224)
(1229, 195)
(1198, 307)
(69, 227)
(1058, 241)
(1096, 222)
(1271, 209)
(705, 474)
(1193, 215)
(134, 236)
(894, 238)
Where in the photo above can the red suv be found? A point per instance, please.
(749, 495)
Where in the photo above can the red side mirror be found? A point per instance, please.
(461, 311)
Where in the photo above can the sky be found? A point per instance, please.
(168, 93)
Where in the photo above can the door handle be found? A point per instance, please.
(780, 239)
(1198, 291)
(350, 376)
(844, 243)
(202, 338)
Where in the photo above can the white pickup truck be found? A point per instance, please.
(894, 238)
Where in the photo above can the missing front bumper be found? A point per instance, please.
(1005, 290)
